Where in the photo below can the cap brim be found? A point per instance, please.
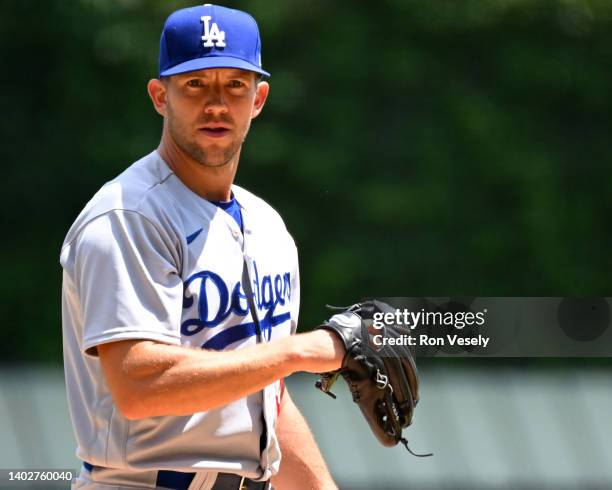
(212, 62)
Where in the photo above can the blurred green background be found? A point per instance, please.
(413, 148)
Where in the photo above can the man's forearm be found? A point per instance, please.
(302, 465)
(150, 379)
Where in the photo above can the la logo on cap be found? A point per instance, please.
(212, 37)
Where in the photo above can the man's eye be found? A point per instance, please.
(194, 83)
(236, 84)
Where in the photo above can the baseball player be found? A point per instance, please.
(181, 293)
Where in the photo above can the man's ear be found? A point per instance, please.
(157, 91)
(261, 94)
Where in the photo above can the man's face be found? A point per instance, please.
(208, 112)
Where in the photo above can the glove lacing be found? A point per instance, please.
(404, 441)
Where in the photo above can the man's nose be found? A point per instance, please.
(215, 102)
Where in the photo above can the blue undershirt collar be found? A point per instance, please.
(231, 207)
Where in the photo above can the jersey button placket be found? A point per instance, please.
(265, 456)
(236, 233)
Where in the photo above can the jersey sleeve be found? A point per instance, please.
(127, 281)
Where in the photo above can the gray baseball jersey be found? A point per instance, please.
(149, 259)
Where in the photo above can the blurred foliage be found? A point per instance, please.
(413, 148)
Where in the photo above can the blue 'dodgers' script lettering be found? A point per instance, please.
(268, 292)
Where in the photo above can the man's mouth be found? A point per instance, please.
(215, 131)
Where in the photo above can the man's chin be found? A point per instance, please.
(212, 158)
(209, 153)
(214, 163)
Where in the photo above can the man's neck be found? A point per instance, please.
(211, 183)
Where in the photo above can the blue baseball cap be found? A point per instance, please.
(209, 36)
